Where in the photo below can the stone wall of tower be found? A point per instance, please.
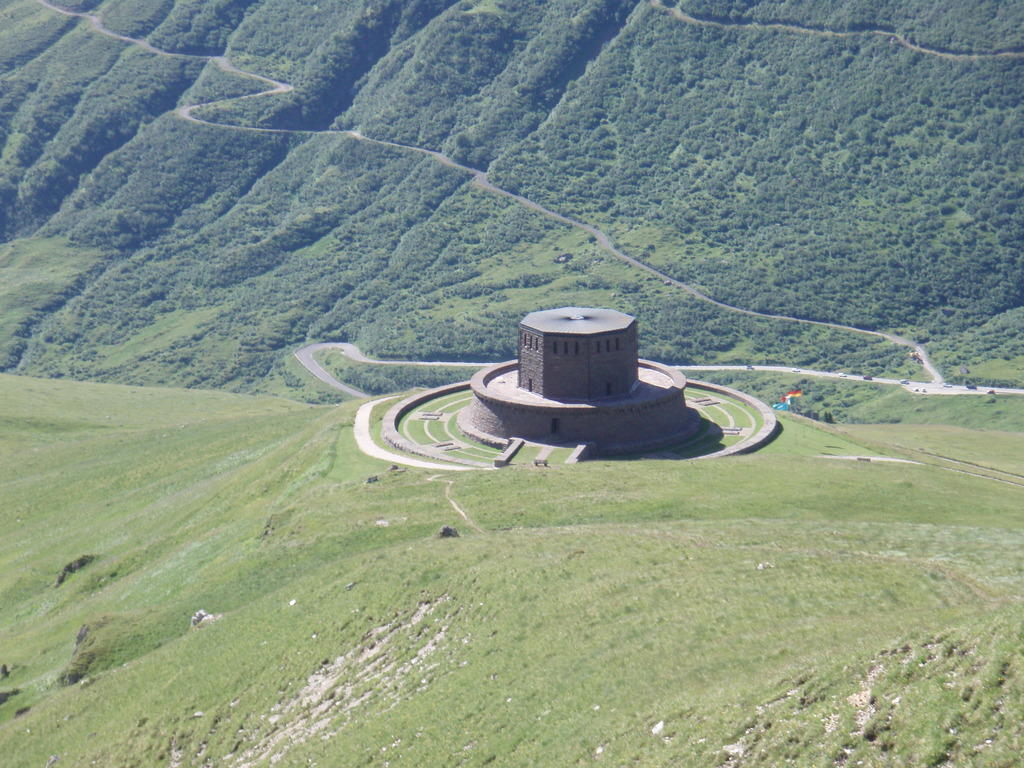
(578, 366)
(612, 426)
(531, 360)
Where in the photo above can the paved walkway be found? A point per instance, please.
(366, 443)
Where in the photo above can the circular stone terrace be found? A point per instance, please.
(652, 381)
(650, 415)
(425, 425)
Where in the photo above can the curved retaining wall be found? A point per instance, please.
(619, 425)
(762, 437)
(396, 412)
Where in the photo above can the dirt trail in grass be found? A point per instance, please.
(455, 505)
(480, 178)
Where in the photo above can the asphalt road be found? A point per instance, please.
(351, 351)
(481, 179)
(305, 357)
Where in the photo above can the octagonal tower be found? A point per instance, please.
(578, 381)
(577, 354)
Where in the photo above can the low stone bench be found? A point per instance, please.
(702, 401)
(447, 445)
(579, 453)
(503, 458)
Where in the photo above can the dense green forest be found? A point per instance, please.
(846, 179)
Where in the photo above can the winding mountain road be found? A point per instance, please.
(306, 360)
(781, 26)
(481, 179)
(352, 352)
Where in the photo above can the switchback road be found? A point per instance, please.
(481, 179)
(305, 358)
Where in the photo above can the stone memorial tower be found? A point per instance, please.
(577, 354)
(578, 380)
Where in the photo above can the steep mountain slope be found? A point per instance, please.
(790, 170)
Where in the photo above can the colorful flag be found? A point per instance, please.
(784, 402)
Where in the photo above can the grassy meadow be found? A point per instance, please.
(644, 613)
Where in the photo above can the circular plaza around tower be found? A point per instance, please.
(578, 380)
(651, 414)
(425, 425)
(577, 387)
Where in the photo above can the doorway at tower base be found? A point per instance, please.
(653, 414)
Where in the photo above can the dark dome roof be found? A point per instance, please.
(577, 320)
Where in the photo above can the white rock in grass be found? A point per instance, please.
(658, 727)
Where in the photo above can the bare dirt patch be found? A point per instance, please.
(387, 665)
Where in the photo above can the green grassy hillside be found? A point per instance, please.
(757, 610)
(843, 178)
